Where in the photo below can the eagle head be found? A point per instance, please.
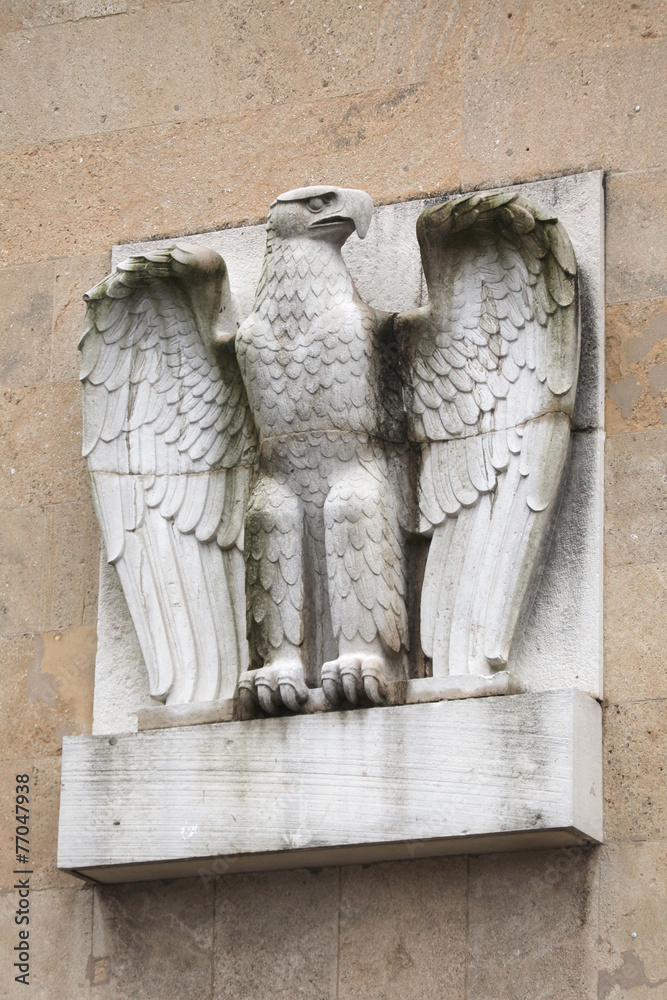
(323, 213)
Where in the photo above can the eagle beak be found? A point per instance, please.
(346, 207)
(359, 207)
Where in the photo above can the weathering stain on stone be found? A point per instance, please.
(629, 974)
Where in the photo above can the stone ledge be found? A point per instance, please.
(457, 777)
(419, 691)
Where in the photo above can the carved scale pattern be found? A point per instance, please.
(307, 356)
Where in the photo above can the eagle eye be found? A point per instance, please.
(318, 203)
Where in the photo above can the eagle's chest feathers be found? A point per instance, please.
(307, 352)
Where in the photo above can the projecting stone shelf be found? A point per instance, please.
(456, 777)
(419, 691)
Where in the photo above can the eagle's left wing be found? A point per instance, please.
(492, 371)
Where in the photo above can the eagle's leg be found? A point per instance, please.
(367, 586)
(274, 598)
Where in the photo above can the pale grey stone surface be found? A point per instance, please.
(561, 642)
(408, 781)
(121, 681)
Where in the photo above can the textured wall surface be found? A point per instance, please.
(126, 119)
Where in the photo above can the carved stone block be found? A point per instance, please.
(348, 471)
(556, 640)
(488, 774)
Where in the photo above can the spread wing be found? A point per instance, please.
(169, 441)
(493, 362)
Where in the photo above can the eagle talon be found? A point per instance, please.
(292, 697)
(355, 677)
(274, 687)
(332, 684)
(350, 675)
(374, 686)
(292, 687)
(350, 688)
(248, 692)
(373, 675)
(267, 693)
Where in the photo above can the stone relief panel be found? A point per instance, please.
(351, 459)
(348, 472)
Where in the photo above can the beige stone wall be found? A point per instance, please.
(126, 119)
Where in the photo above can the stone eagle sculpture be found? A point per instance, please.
(324, 495)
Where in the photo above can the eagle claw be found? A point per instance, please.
(272, 688)
(373, 675)
(353, 677)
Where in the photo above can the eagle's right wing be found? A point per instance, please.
(170, 442)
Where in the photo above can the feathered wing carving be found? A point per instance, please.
(492, 372)
(169, 441)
